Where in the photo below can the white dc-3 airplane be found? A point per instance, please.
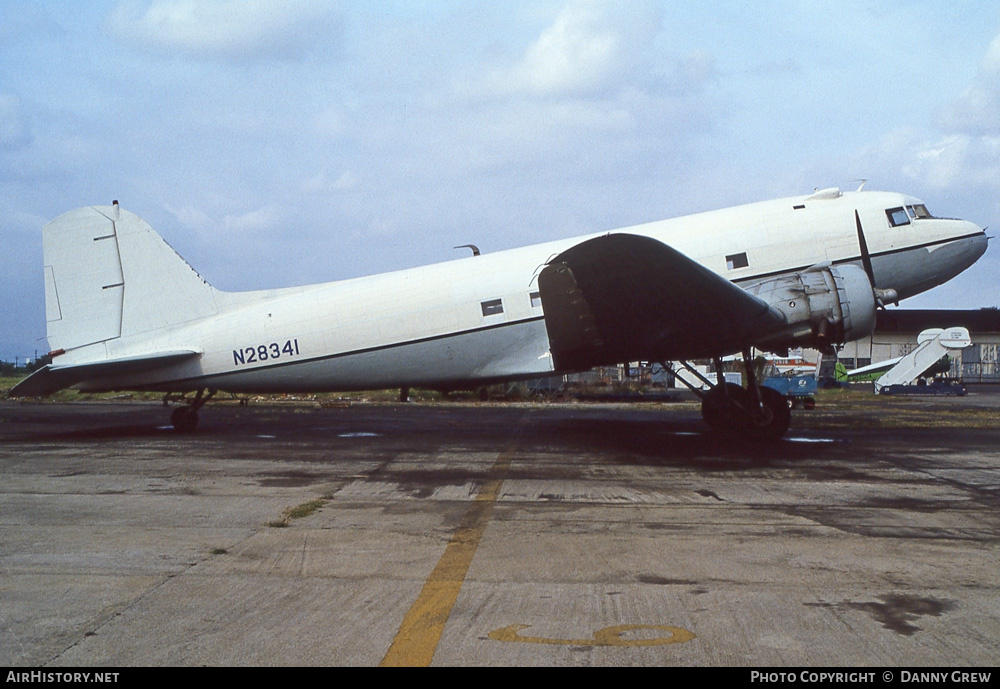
(125, 312)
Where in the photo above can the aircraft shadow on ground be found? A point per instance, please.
(643, 438)
(680, 443)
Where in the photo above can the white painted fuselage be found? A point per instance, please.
(478, 319)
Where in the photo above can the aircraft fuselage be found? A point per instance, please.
(479, 319)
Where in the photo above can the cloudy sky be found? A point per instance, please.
(282, 142)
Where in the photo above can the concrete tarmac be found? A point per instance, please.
(482, 534)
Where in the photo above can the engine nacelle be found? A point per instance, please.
(822, 306)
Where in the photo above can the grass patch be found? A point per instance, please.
(8, 382)
(305, 509)
(323, 398)
(859, 408)
(219, 551)
(297, 512)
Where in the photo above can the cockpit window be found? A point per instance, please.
(897, 216)
(904, 214)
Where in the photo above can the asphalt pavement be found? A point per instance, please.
(498, 534)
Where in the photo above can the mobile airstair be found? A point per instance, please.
(932, 345)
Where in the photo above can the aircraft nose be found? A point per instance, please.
(974, 240)
(973, 247)
(980, 242)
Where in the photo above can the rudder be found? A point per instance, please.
(109, 275)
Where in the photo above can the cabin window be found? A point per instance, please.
(536, 299)
(737, 261)
(897, 216)
(492, 307)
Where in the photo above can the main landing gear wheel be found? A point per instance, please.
(773, 418)
(732, 411)
(721, 409)
(184, 419)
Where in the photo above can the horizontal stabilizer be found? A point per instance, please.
(53, 377)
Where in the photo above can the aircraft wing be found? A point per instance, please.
(53, 377)
(624, 297)
(871, 371)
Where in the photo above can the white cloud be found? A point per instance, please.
(977, 110)
(952, 164)
(991, 62)
(13, 130)
(331, 122)
(583, 52)
(265, 218)
(192, 218)
(322, 183)
(966, 155)
(959, 161)
(225, 28)
(939, 163)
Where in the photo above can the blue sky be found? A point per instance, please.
(285, 142)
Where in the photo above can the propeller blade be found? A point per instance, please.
(866, 258)
(882, 296)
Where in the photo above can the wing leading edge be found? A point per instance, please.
(624, 297)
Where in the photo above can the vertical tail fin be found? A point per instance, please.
(108, 275)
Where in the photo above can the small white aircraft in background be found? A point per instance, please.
(125, 312)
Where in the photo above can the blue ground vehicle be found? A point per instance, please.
(797, 389)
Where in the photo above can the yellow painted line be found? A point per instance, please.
(420, 632)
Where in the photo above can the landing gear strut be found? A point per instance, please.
(755, 412)
(185, 419)
(766, 416)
